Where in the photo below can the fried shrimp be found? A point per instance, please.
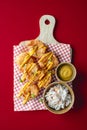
(41, 48)
(45, 81)
(20, 58)
(36, 66)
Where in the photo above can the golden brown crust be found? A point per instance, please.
(37, 68)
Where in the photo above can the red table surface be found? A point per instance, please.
(19, 21)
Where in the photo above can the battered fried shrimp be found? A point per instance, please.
(48, 60)
(20, 58)
(23, 60)
(28, 56)
(45, 81)
(34, 78)
(55, 61)
(23, 77)
(52, 63)
(41, 48)
(33, 69)
(35, 42)
(29, 92)
(34, 91)
(44, 59)
(40, 74)
(23, 89)
(37, 68)
(29, 70)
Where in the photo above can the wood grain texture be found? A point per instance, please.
(46, 31)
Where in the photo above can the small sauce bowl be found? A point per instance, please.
(65, 72)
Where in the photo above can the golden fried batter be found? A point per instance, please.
(45, 81)
(41, 48)
(37, 67)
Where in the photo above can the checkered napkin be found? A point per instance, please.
(62, 51)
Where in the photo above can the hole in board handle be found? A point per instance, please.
(47, 22)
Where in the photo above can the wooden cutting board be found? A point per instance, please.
(47, 24)
(61, 50)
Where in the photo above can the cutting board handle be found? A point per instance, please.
(47, 24)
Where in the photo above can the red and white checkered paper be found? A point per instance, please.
(62, 51)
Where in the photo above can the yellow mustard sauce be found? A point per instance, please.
(65, 72)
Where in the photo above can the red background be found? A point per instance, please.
(19, 21)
